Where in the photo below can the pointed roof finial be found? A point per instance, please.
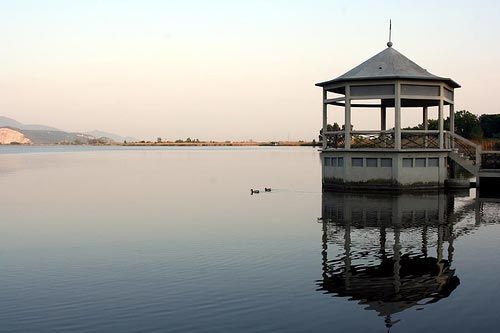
(389, 43)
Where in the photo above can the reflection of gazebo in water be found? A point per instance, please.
(392, 272)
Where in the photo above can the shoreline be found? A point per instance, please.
(180, 144)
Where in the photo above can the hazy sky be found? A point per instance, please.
(226, 69)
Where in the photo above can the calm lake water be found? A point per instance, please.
(170, 240)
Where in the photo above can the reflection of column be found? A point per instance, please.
(450, 206)
(424, 239)
(397, 257)
(478, 208)
(324, 250)
(383, 238)
(450, 243)
(347, 253)
(439, 249)
(442, 205)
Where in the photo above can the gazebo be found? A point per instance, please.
(389, 157)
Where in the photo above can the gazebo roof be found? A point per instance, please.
(389, 64)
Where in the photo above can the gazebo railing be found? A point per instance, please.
(372, 139)
(335, 139)
(361, 139)
(415, 139)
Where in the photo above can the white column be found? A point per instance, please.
(347, 122)
(397, 117)
(452, 126)
(383, 118)
(452, 118)
(440, 120)
(425, 119)
(325, 118)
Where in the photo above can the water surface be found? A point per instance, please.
(170, 239)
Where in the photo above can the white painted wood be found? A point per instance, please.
(325, 119)
(347, 122)
(441, 120)
(420, 97)
(452, 118)
(397, 117)
(357, 105)
(333, 100)
(425, 120)
(372, 97)
(421, 132)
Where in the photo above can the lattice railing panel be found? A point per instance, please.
(381, 140)
(419, 140)
(336, 140)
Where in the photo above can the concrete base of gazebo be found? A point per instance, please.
(379, 170)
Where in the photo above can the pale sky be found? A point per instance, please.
(232, 69)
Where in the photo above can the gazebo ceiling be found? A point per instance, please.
(388, 65)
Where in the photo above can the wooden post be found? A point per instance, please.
(425, 122)
(452, 118)
(383, 118)
(347, 122)
(440, 119)
(325, 118)
(397, 116)
(425, 119)
(451, 140)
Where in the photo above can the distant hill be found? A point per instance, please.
(112, 136)
(8, 122)
(41, 134)
(55, 137)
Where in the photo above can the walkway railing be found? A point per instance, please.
(466, 149)
(490, 160)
